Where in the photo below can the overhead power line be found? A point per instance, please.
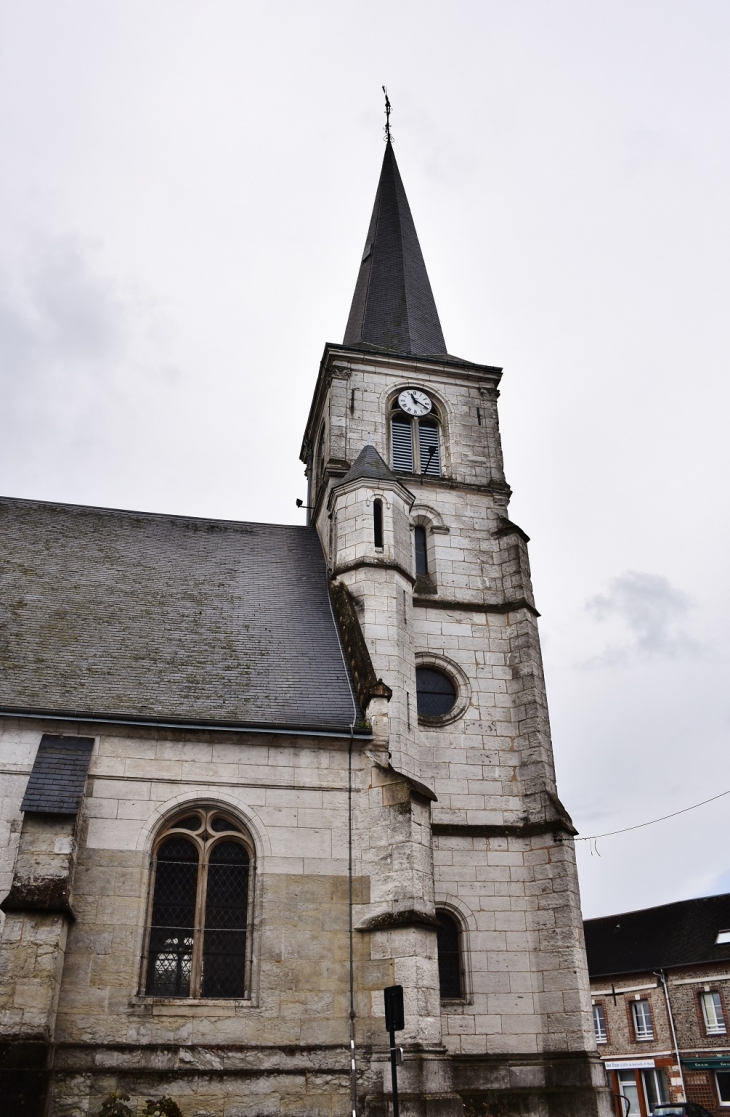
(640, 825)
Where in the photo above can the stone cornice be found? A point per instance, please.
(382, 565)
(504, 830)
(475, 606)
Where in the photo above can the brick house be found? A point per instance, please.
(660, 991)
(255, 773)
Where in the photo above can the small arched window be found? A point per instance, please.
(421, 541)
(199, 919)
(448, 937)
(378, 524)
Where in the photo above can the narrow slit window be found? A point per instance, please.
(421, 551)
(429, 446)
(401, 437)
(448, 940)
(378, 524)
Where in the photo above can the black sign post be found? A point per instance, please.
(394, 1022)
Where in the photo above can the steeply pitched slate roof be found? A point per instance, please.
(58, 776)
(680, 934)
(368, 464)
(148, 616)
(393, 307)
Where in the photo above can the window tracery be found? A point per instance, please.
(199, 930)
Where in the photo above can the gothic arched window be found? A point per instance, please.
(199, 920)
(415, 441)
(448, 937)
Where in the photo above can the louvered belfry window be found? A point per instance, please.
(415, 441)
(401, 433)
(429, 447)
(198, 935)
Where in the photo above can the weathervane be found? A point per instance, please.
(388, 133)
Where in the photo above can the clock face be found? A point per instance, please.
(414, 402)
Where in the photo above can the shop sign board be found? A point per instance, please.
(630, 1064)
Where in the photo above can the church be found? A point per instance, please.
(253, 774)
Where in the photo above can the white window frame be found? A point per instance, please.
(725, 1104)
(642, 1018)
(713, 1014)
(599, 1028)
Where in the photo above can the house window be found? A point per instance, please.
(599, 1024)
(198, 934)
(712, 1013)
(435, 692)
(722, 1078)
(415, 440)
(641, 1013)
(421, 551)
(378, 524)
(655, 1088)
(448, 937)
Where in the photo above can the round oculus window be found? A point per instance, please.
(435, 693)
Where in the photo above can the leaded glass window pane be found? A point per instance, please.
(435, 692)
(173, 919)
(224, 945)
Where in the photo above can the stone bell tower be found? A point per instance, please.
(464, 844)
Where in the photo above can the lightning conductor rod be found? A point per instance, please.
(388, 133)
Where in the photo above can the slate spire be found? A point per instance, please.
(393, 306)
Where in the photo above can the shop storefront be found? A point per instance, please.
(708, 1081)
(638, 1085)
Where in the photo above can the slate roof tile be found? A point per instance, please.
(678, 934)
(393, 307)
(58, 776)
(140, 615)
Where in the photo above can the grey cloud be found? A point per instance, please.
(651, 608)
(76, 363)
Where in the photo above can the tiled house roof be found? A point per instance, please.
(678, 934)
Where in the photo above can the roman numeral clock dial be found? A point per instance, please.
(414, 402)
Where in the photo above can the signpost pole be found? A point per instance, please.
(394, 1022)
(394, 1071)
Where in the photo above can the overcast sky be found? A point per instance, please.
(185, 194)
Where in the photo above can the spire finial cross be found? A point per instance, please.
(388, 133)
